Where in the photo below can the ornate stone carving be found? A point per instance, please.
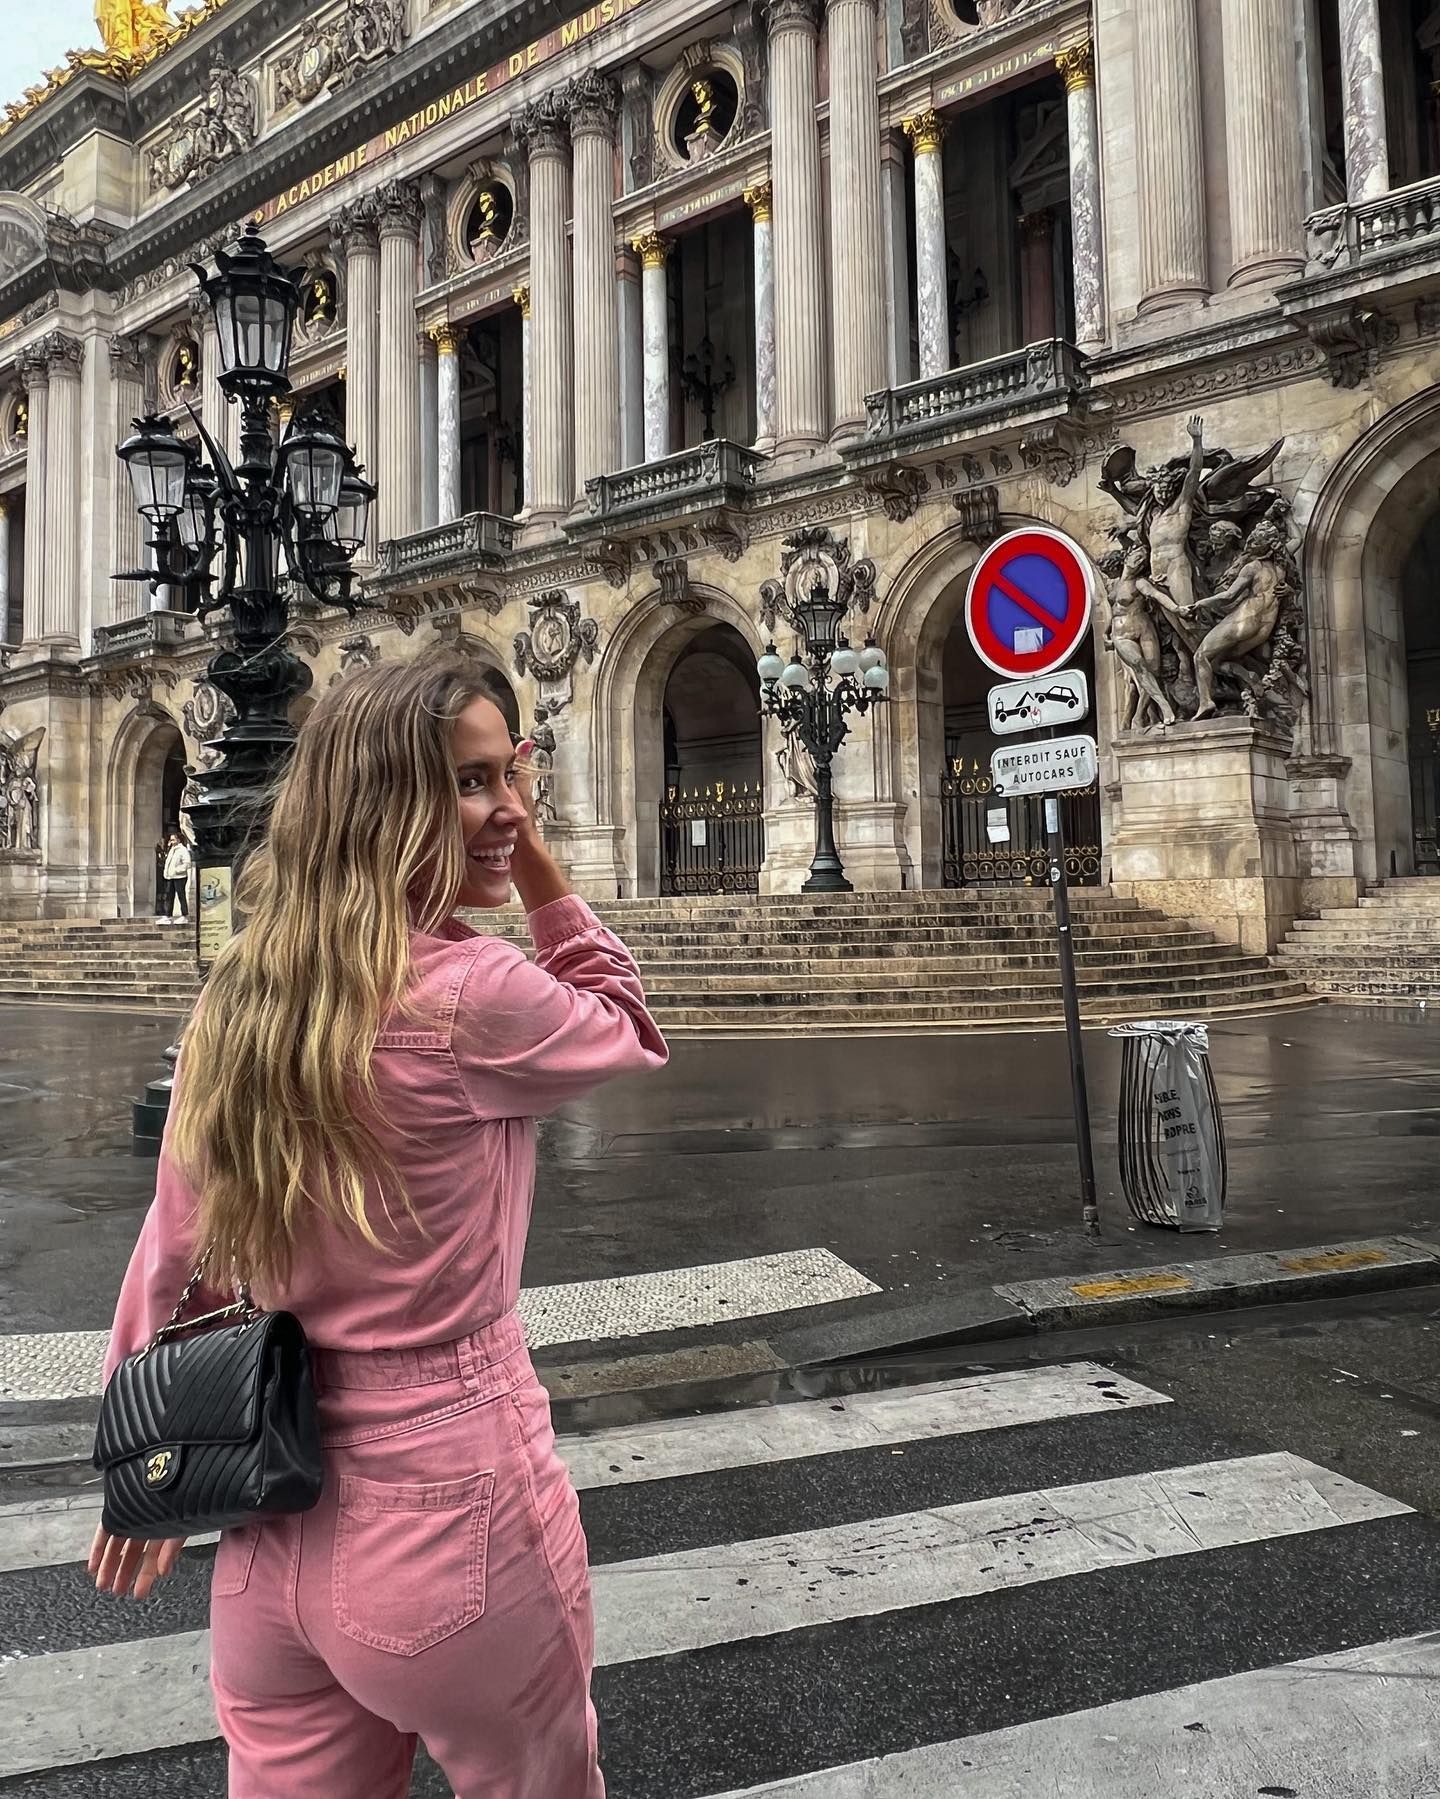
(1077, 67)
(592, 101)
(223, 125)
(333, 52)
(23, 234)
(998, 12)
(899, 490)
(1351, 339)
(914, 29)
(20, 791)
(544, 125)
(57, 350)
(518, 166)
(398, 207)
(808, 554)
(433, 245)
(979, 509)
(783, 15)
(1206, 608)
(637, 125)
(754, 89)
(538, 752)
(355, 653)
(673, 575)
(558, 637)
(1231, 377)
(208, 713)
(355, 226)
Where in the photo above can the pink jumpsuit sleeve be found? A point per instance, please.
(160, 1264)
(529, 1036)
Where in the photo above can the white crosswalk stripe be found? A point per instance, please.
(963, 1590)
(52, 1365)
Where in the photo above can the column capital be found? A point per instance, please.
(544, 125)
(792, 15)
(592, 101)
(521, 297)
(926, 131)
(399, 208)
(652, 249)
(129, 356)
(447, 337)
(1077, 66)
(285, 409)
(353, 230)
(57, 353)
(760, 199)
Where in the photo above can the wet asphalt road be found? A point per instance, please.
(921, 1163)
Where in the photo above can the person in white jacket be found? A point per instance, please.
(178, 863)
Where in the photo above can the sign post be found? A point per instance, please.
(1027, 610)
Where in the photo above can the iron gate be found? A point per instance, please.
(1425, 792)
(712, 839)
(969, 857)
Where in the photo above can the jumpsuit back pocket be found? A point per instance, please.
(409, 1561)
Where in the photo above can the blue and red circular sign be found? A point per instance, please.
(1027, 608)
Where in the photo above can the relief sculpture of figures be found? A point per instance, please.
(20, 791)
(1206, 610)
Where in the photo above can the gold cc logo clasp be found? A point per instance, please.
(158, 1466)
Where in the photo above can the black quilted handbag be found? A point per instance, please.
(211, 1425)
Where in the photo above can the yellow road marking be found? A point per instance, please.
(1132, 1283)
(1333, 1258)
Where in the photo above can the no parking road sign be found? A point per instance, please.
(1027, 608)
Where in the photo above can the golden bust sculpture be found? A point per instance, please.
(129, 27)
(704, 96)
(322, 300)
(186, 369)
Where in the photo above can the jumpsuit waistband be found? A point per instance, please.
(489, 1361)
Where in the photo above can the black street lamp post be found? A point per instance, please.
(810, 695)
(282, 514)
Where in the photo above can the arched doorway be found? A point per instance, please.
(987, 841)
(159, 786)
(711, 806)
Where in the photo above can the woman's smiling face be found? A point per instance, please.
(491, 808)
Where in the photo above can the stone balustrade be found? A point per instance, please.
(715, 473)
(137, 639)
(1051, 370)
(477, 537)
(1339, 237)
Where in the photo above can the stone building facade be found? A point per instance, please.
(637, 312)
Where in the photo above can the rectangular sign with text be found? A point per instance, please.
(1063, 762)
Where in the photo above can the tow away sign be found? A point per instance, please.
(1063, 762)
(1059, 699)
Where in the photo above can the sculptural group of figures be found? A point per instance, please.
(20, 791)
(1206, 609)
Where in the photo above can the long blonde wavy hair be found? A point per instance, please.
(276, 1101)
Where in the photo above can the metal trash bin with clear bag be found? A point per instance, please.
(1172, 1139)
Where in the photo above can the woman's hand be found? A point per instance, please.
(537, 878)
(123, 1565)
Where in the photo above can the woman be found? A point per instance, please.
(178, 863)
(353, 1131)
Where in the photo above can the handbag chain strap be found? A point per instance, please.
(243, 1306)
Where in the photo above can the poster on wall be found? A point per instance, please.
(215, 910)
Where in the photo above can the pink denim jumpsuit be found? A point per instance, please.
(440, 1588)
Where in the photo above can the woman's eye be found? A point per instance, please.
(511, 776)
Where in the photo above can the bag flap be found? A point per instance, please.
(205, 1388)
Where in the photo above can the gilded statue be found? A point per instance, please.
(22, 419)
(486, 238)
(703, 137)
(131, 27)
(321, 309)
(187, 367)
(1206, 600)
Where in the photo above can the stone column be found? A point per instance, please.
(447, 339)
(594, 101)
(127, 366)
(400, 214)
(857, 244)
(926, 132)
(527, 435)
(550, 357)
(759, 199)
(893, 179)
(800, 359)
(59, 566)
(629, 283)
(1087, 242)
(1037, 274)
(653, 251)
(1362, 82)
(1169, 156)
(213, 404)
(429, 430)
(35, 373)
(5, 569)
(1262, 135)
(355, 236)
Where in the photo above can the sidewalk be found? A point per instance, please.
(931, 1171)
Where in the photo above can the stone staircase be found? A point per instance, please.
(854, 964)
(1385, 949)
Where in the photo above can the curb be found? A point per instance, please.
(993, 1314)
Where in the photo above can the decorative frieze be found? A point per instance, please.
(222, 126)
(333, 52)
(557, 639)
